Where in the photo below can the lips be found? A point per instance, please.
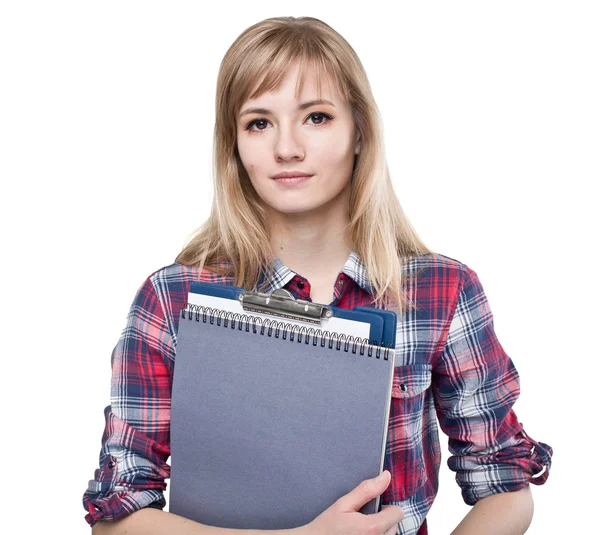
(291, 174)
(290, 181)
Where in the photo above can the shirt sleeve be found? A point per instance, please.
(475, 386)
(135, 443)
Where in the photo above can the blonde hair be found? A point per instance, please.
(236, 232)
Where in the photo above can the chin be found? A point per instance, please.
(293, 209)
(296, 208)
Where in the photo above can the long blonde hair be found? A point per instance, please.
(236, 233)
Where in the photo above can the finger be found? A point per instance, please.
(391, 514)
(365, 491)
(393, 530)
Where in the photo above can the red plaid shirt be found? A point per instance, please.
(448, 360)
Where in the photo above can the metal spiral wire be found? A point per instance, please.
(274, 327)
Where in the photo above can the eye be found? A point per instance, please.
(261, 121)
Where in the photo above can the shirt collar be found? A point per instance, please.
(354, 267)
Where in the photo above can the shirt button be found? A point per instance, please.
(301, 285)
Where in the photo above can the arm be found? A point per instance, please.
(342, 516)
(475, 385)
(135, 443)
(155, 522)
(509, 513)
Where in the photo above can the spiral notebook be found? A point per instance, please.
(273, 416)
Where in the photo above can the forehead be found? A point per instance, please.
(292, 84)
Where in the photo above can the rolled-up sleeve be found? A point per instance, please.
(475, 386)
(135, 443)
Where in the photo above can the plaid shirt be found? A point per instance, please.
(448, 361)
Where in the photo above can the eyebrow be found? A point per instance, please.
(302, 106)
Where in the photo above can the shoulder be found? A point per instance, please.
(436, 268)
(170, 285)
(164, 293)
(434, 282)
(175, 279)
(177, 272)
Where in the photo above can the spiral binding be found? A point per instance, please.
(194, 311)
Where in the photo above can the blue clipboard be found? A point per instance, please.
(382, 322)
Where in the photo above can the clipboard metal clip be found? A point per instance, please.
(282, 303)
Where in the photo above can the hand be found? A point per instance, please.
(394, 529)
(344, 518)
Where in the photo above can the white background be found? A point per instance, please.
(491, 115)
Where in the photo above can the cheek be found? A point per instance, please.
(249, 159)
(332, 152)
(251, 154)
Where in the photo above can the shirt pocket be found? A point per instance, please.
(404, 446)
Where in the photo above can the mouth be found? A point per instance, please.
(292, 180)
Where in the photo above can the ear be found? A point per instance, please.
(357, 146)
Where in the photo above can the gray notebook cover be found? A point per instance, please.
(267, 433)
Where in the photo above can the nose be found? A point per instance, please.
(288, 144)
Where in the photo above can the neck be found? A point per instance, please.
(313, 244)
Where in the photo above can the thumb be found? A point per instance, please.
(365, 491)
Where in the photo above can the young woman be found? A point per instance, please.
(303, 201)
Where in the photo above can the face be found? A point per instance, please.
(320, 140)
